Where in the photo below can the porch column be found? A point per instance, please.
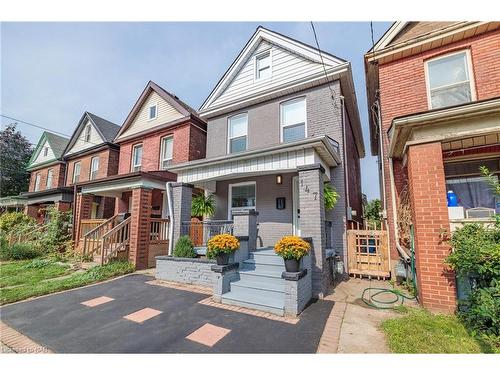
(312, 224)
(245, 224)
(436, 283)
(182, 196)
(140, 227)
(121, 206)
(82, 211)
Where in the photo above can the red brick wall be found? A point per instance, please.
(353, 173)
(189, 144)
(436, 284)
(403, 92)
(58, 175)
(139, 227)
(108, 165)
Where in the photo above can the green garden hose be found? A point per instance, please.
(372, 301)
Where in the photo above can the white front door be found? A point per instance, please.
(296, 206)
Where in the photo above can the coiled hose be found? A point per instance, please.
(374, 300)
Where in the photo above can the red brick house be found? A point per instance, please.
(434, 98)
(47, 181)
(160, 130)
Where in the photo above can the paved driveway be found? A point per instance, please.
(61, 323)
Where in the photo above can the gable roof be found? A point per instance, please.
(262, 34)
(171, 99)
(106, 129)
(56, 143)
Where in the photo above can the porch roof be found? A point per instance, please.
(476, 119)
(63, 194)
(113, 186)
(12, 201)
(279, 158)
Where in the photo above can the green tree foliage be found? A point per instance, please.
(203, 206)
(492, 180)
(372, 211)
(15, 152)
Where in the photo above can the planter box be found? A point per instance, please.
(185, 270)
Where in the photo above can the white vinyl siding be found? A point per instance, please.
(81, 144)
(165, 113)
(237, 133)
(50, 176)
(43, 156)
(241, 196)
(76, 171)
(94, 167)
(37, 182)
(136, 158)
(449, 80)
(293, 120)
(286, 66)
(166, 152)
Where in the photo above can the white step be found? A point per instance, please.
(273, 303)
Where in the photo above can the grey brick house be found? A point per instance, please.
(283, 121)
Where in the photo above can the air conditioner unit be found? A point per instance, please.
(479, 213)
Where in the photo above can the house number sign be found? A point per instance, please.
(307, 190)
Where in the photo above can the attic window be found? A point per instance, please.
(86, 136)
(263, 65)
(45, 151)
(152, 112)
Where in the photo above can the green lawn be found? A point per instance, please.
(419, 331)
(24, 279)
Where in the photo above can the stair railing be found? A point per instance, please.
(115, 240)
(92, 241)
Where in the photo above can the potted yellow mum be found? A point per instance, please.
(221, 246)
(292, 249)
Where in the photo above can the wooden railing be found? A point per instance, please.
(201, 231)
(87, 225)
(25, 234)
(92, 241)
(115, 240)
(159, 229)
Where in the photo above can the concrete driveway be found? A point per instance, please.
(127, 315)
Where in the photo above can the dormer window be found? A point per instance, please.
(263, 65)
(152, 112)
(449, 80)
(45, 151)
(86, 135)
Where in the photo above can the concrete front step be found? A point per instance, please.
(263, 276)
(258, 284)
(266, 258)
(274, 304)
(252, 264)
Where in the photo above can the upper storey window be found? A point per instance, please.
(152, 112)
(136, 158)
(263, 65)
(238, 130)
(167, 151)
(293, 120)
(449, 80)
(45, 151)
(86, 136)
(37, 182)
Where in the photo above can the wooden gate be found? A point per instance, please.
(368, 252)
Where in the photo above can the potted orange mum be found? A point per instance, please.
(292, 249)
(221, 246)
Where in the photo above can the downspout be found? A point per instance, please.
(168, 186)
(346, 183)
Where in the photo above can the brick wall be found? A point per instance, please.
(436, 283)
(108, 165)
(58, 174)
(139, 227)
(186, 271)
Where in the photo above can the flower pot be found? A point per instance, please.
(222, 259)
(292, 265)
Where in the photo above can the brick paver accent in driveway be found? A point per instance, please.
(14, 341)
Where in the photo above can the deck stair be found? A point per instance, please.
(260, 285)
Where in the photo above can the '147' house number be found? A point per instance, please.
(306, 189)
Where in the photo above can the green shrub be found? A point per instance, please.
(9, 220)
(184, 248)
(56, 236)
(19, 251)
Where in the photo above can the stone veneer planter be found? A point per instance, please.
(195, 271)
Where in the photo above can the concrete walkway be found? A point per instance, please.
(354, 327)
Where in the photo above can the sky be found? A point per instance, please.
(52, 72)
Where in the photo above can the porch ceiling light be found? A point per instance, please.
(279, 179)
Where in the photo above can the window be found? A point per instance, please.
(238, 133)
(94, 167)
(449, 80)
(293, 120)
(37, 182)
(263, 65)
(45, 151)
(76, 172)
(86, 136)
(136, 158)
(49, 178)
(166, 152)
(152, 112)
(242, 196)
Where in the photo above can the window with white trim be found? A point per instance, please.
(167, 151)
(136, 158)
(263, 65)
(45, 151)
(76, 172)
(242, 196)
(94, 167)
(293, 120)
(86, 136)
(237, 133)
(50, 174)
(152, 113)
(37, 182)
(449, 80)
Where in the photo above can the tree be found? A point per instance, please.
(372, 211)
(15, 153)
